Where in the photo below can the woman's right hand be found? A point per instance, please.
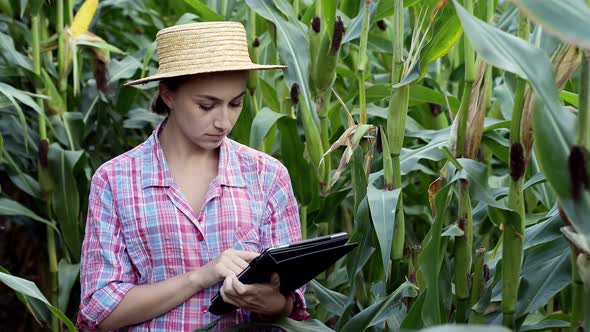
(230, 262)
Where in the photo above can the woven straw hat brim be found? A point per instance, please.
(202, 47)
(194, 71)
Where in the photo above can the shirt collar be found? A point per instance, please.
(156, 172)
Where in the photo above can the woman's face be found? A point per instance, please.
(206, 106)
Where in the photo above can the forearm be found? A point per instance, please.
(144, 302)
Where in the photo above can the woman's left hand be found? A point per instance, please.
(264, 299)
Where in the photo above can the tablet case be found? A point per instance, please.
(296, 264)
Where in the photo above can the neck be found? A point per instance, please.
(179, 149)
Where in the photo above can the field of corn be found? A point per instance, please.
(450, 139)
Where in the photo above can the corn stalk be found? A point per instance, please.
(464, 244)
(324, 49)
(42, 165)
(362, 63)
(396, 124)
(514, 228)
(62, 54)
(312, 135)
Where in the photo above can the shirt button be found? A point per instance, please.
(171, 271)
(204, 309)
(200, 218)
(200, 237)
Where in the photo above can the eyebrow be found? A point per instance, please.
(215, 99)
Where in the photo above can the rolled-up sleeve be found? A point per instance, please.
(282, 225)
(106, 273)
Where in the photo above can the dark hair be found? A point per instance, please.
(158, 105)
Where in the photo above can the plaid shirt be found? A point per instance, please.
(141, 230)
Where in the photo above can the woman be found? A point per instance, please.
(175, 219)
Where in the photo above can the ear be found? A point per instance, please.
(166, 95)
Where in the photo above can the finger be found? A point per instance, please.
(275, 280)
(233, 267)
(240, 262)
(224, 271)
(231, 294)
(239, 287)
(227, 287)
(247, 255)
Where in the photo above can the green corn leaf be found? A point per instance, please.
(567, 19)
(13, 56)
(431, 259)
(26, 183)
(465, 328)
(205, 13)
(361, 234)
(67, 275)
(269, 95)
(445, 33)
(569, 97)
(293, 48)
(353, 31)
(546, 270)
(263, 121)
(65, 196)
(309, 325)
(476, 174)
(8, 207)
(36, 307)
(419, 95)
(55, 101)
(545, 325)
(124, 69)
(389, 307)
(28, 288)
(332, 301)
(100, 44)
(383, 205)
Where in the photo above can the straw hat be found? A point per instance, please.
(202, 47)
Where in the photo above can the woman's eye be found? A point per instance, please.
(238, 104)
(206, 107)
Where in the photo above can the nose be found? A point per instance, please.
(223, 120)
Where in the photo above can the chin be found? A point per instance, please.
(208, 145)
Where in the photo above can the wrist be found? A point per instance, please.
(289, 303)
(198, 279)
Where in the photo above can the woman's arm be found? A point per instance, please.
(144, 302)
(148, 301)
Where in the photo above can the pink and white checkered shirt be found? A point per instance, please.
(141, 230)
